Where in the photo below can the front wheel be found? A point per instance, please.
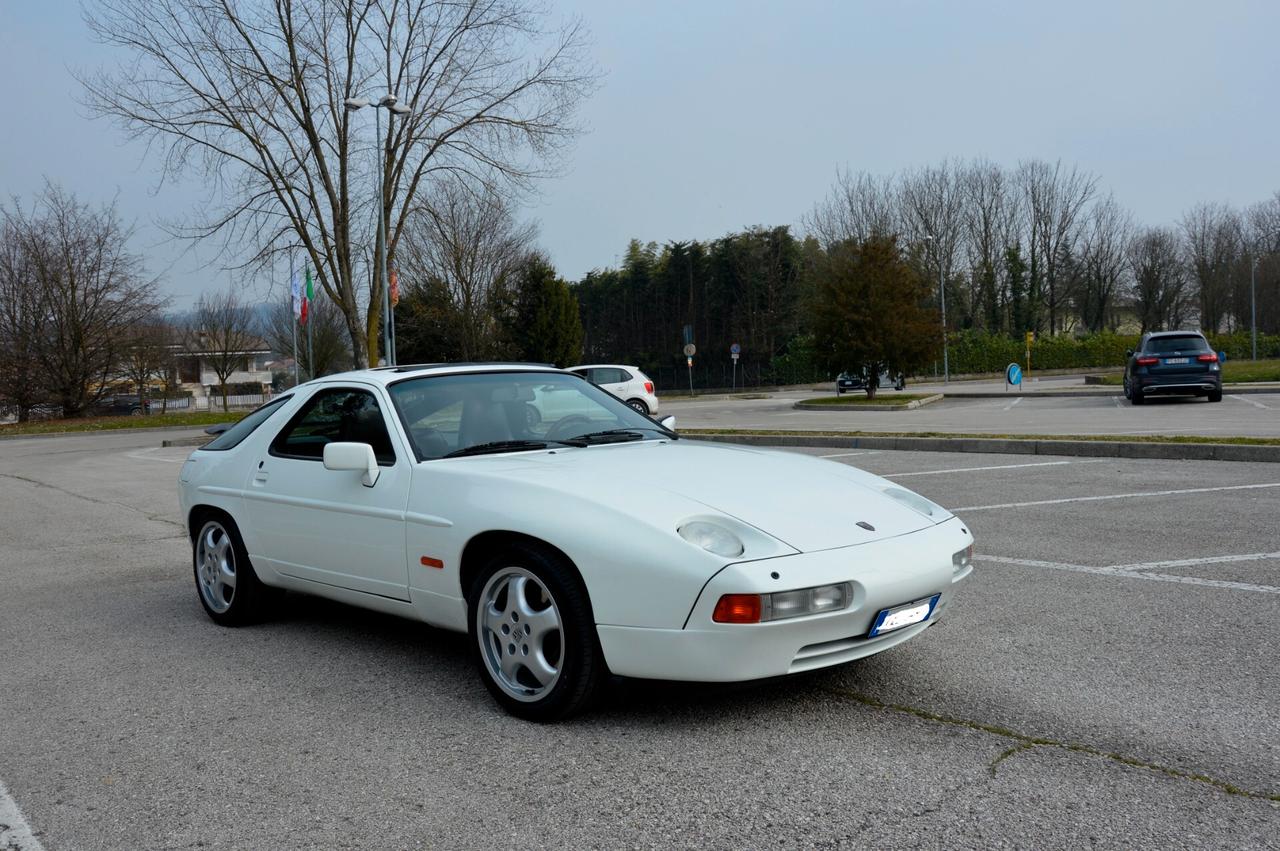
(228, 588)
(534, 635)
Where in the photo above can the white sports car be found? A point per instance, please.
(571, 536)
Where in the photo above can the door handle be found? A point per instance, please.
(260, 477)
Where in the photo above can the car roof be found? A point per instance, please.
(1151, 334)
(390, 374)
(604, 365)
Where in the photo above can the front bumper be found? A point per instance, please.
(884, 574)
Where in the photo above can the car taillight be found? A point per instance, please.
(737, 608)
(1211, 357)
(1147, 361)
(648, 387)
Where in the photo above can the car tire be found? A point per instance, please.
(1215, 395)
(639, 406)
(218, 555)
(135, 412)
(1135, 396)
(533, 634)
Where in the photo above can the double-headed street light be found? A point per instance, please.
(389, 103)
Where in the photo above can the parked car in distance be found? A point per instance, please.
(847, 382)
(595, 543)
(1173, 363)
(628, 383)
(115, 406)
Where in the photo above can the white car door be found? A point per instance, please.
(325, 525)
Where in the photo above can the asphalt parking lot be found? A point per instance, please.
(1251, 415)
(1106, 678)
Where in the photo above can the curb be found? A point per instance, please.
(714, 397)
(99, 432)
(912, 405)
(197, 440)
(1004, 446)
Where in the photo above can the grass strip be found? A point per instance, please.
(81, 424)
(1233, 372)
(1025, 743)
(1122, 438)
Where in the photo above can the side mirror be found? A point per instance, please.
(357, 457)
(668, 422)
(1128, 353)
(217, 429)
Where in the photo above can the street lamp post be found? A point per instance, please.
(942, 296)
(388, 103)
(1253, 305)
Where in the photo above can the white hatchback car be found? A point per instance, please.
(628, 383)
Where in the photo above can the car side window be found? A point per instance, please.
(237, 433)
(607, 375)
(338, 414)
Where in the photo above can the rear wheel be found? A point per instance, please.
(1215, 395)
(534, 635)
(639, 406)
(1135, 395)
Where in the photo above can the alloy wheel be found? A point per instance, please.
(521, 634)
(216, 566)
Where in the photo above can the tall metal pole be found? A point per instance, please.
(293, 316)
(942, 288)
(1253, 305)
(382, 244)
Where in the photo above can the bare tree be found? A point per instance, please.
(254, 93)
(1213, 246)
(1053, 198)
(990, 222)
(470, 243)
(931, 201)
(1103, 263)
(222, 335)
(90, 292)
(22, 315)
(859, 207)
(1160, 293)
(147, 355)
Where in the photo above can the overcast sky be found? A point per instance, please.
(714, 116)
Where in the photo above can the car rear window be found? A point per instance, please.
(1181, 343)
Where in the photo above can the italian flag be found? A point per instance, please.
(306, 299)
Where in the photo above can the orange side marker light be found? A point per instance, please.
(428, 561)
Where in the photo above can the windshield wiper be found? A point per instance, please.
(510, 446)
(620, 435)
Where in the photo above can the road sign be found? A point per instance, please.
(1013, 374)
(1031, 338)
(689, 362)
(735, 350)
(734, 356)
(690, 350)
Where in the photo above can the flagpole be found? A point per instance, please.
(311, 363)
(293, 318)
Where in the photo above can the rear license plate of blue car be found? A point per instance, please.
(905, 615)
(1171, 361)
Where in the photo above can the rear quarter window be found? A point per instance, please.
(238, 432)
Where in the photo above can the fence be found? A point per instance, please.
(210, 403)
(716, 376)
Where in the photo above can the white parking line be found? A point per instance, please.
(1117, 496)
(1126, 572)
(143, 456)
(1011, 404)
(15, 833)
(1194, 562)
(993, 467)
(848, 454)
(1249, 401)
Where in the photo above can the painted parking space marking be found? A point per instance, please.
(1195, 562)
(1102, 497)
(1249, 401)
(848, 454)
(993, 467)
(1129, 572)
(15, 833)
(143, 456)
(1011, 404)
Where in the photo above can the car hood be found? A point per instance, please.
(805, 502)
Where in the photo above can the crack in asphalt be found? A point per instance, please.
(153, 517)
(1027, 743)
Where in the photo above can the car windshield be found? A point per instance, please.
(1189, 343)
(469, 413)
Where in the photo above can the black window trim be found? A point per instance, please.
(305, 408)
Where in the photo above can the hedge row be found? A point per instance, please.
(972, 351)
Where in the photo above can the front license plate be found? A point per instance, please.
(1177, 360)
(905, 615)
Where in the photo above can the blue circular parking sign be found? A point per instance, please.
(1013, 374)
